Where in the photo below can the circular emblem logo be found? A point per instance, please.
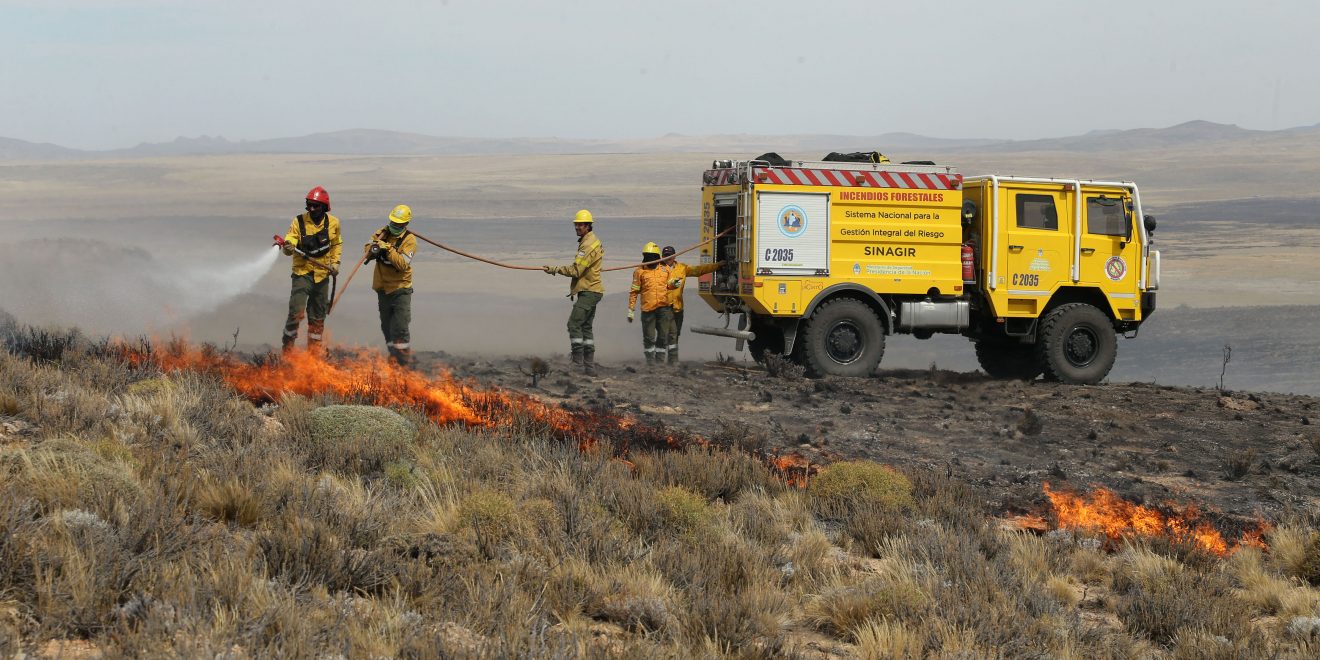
(1115, 268)
(792, 221)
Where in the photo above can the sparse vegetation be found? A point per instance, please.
(782, 367)
(175, 519)
(1240, 464)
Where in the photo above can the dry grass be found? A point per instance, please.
(170, 518)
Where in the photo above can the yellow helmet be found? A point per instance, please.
(583, 216)
(651, 248)
(401, 215)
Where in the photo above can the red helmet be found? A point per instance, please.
(318, 194)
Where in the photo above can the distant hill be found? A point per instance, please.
(11, 149)
(382, 142)
(1188, 133)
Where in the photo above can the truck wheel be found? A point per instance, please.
(769, 339)
(843, 338)
(1008, 361)
(1077, 344)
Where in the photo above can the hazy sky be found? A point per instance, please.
(105, 74)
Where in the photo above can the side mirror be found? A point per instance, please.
(1150, 224)
(968, 212)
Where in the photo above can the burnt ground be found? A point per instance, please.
(1240, 456)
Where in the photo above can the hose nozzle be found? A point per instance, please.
(279, 240)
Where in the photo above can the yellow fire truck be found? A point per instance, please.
(824, 259)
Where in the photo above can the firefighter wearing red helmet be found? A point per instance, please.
(315, 244)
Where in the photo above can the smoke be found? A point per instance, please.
(104, 288)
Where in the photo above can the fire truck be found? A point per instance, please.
(823, 260)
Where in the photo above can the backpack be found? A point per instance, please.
(856, 157)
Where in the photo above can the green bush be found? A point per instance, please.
(360, 439)
(493, 517)
(843, 488)
(682, 510)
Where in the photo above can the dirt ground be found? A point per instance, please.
(1240, 456)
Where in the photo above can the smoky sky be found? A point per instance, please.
(107, 74)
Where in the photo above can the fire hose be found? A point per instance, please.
(334, 274)
(492, 262)
(461, 253)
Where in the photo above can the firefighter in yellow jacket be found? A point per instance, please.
(586, 290)
(315, 244)
(392, 248)
(678, 274)
(652, 284)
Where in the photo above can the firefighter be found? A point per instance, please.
(392, 248)
(585, 289)
(678, 274)
(313, 234)
(652, 283)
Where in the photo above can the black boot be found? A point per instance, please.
(589, 361)
(577, 353)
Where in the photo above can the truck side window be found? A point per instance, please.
(1105, 215)
(1037, 212)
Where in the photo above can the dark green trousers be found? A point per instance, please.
(395, 314)
(581, 319)
(657, 325)
(307, 299)
(678, 329)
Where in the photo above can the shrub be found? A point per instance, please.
(844, 608)
(682, 510)
(360, 439)
(882, 638)
(64, 473)
(1159, 597)
(401, 475)
(493, 517)
(1309, 567)
(847, 486)
(229, 501)
(782, 367)
(713, 473)
(148, 387)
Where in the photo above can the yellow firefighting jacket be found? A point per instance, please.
(585, 269)
(302, 266)
(652, 284)
(394, 268)
(682, 271)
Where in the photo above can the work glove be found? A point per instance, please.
(334, 270)
(288, 249)
(384, 247)
(630, 316)
(673, 284)
(549, 270)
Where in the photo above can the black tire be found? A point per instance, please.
(843, 337)
(1008, 360)
(769, 339)
(1076, 344)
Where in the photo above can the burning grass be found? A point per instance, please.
(1102, 511)
(220, 530)
(368, 378)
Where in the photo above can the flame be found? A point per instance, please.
(795, 468)
(1104, 511)
(366, 377)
